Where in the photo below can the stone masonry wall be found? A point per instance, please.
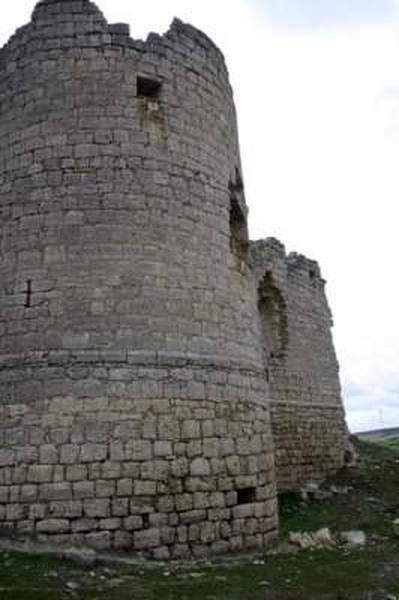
(115, 206)
(310, 433)
(168, 457)
(134, 409)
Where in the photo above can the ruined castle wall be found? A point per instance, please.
(308, 418)
(134, 409)
(115, 207)
(164, 456)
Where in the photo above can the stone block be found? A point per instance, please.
(166, 504)
(69, 454)
(193, 516)
(105, 489)
(161, 554)
(184, 502)
(4, 494)
(201, 500)
(83, 525)
(110, 524)
(101, 540)
(48, 454)
(155, 470)
(97, 508)
(168, 428)
(15, 512)
(145, 488)
(233, 465)
(149, 538)
(76, 473)
(163, 449)
(94, 452)
(83, 489)
(53, 526)
(124, 487)
(179, 467)
(120, 507)
(55, 491)
(200, 467)
(211, 447)
(190, 430)
(217, 500)
(123, 540)
(65, 509)
(40, 473)
(133, 523)
(139, 450)
(244, 511)
(29, 493)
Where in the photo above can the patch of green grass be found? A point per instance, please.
(306, 575)
(392, 443)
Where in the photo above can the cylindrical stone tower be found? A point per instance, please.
(133, 403)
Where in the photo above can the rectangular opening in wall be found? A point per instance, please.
(246, 496)
(148, 88)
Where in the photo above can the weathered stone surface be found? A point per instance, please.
(53, 526)
(308, 420)
(134, 341)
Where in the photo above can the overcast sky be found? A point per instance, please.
(317, 91)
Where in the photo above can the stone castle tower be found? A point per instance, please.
(147, 348)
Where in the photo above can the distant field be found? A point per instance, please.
(389, 435)
(389, 438)
(390, 443)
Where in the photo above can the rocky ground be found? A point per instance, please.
(338, 543)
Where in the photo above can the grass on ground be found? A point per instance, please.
(370, 573)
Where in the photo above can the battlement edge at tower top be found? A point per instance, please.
(80, 23)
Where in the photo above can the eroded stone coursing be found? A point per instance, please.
(134, 377)
(309, 428)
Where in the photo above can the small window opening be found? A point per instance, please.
(28, 294)
(148, 88)
(246, 496)
(312, 274)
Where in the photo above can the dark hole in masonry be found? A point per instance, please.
(312, 274)
(146, 521)
(246, 496)
(28, 294)
(238, 230)
(148, 88)
(238, 184)
(239, 240)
